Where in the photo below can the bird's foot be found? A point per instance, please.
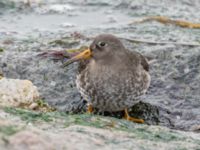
(129, 118)
(89, 109)
(134, 119)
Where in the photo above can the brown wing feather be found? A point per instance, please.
(144, 63)
(140, 58)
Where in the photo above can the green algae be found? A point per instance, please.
(29, 116)
(153, 134)
(9, 130)
(1, 50)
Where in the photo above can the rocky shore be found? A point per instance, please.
(32, 87)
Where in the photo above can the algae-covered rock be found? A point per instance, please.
(29, 130)
(81, 137)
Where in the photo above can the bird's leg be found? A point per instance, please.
(127, 117)
(89, 109)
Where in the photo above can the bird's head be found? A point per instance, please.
(104, 48)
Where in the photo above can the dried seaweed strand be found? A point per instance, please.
(166, 20)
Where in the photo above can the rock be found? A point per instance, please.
(14, 92)
(88, 132)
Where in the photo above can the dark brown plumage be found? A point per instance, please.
(110, 77)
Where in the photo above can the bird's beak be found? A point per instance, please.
(86, 54)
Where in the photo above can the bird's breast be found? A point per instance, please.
(110, 90)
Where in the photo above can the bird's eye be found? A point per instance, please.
(102, 44)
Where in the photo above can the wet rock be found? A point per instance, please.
(56, 8)
(14, 92)
(147, 112)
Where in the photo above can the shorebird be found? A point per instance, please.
(110, 77)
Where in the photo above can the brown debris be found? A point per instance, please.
(39, 105)
(166, 20)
